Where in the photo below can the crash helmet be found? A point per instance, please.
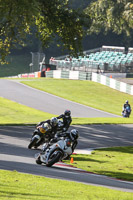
(67, 113)
(54, 121)
(74, 134)
(126, 102)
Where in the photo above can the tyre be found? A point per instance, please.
(38, 161)
(32, 143)
(53, 158)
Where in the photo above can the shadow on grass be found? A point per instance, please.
(87, 159)
(117, 175)
(128, 149)
(24, 195)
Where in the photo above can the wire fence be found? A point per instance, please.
(37, 59)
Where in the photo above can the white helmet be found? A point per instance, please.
(54, 121)
(74, 134)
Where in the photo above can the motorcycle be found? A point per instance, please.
(55, 153)
(41, 135)
(60, 130)
(126, 112)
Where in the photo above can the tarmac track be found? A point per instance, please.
(15, 91)
(14, 154)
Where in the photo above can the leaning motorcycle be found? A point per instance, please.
(41, 135)
(55, 153)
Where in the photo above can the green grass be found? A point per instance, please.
(85, 92)
(116, 162)
(14, 185)
(15, 113)
(17, 186)
(102, 120)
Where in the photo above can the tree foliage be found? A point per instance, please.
(48, 19)
(116, 15)
(65, 20)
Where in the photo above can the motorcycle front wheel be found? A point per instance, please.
(53, 158)
(38, 161)
(32, 143)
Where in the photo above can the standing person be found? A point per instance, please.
(66, 117)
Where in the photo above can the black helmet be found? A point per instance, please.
(67, 113)
(127, 101)
(74, 134)
(54, 121)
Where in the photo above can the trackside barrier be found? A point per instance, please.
(112, 83)
(39, 74)
(99, 78)
(80, 75)
(29, 75)
(24, 75)
(76, 75)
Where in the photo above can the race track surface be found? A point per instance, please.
(14, 154)
(46, 102)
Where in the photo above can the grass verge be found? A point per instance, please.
(114, 162)
(21, 186)
(14, 185)
(85, 92)
(15, 113)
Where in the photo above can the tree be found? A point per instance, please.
(47, 18)
(116, 15)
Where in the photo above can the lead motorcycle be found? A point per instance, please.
(55, 153)
(41, 135)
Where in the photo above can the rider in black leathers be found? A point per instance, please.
(53, 122)
(126, 104)
(66, 119)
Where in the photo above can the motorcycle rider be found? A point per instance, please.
(72, 136)
(126, 104)
(66, 117)
(53, 122)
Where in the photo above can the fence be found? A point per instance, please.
(107, 59)
(80, 75)
(110, 82)
(37, 58)
(77, 75)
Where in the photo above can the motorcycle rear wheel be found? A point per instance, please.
(52, 161)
